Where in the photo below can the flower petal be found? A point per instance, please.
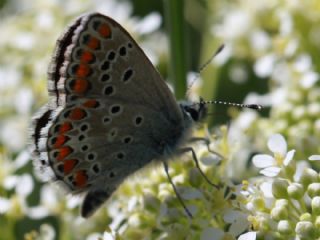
(248, 236)
(239, 225)
(231, 215)
(37, 212)
(289, 157)
(190, 193)
(314, 158)
(270, 171)
(277, 144)
(263, 161)
(212, 234)
(266, 188)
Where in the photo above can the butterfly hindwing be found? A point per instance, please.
(109, 112)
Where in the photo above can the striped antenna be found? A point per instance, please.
(251, 106)
(203, 67)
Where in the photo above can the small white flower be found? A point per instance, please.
(271, 165)
(309, 79)
(37, 212)
(5, 205)
(47, 232)
(24, 185)
(265, 65)
(149, 23)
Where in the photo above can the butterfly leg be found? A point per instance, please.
(194, 156)
(93, 200)
(166, 169)
(207, 143)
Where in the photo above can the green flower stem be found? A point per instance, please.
(303, 205)
(174, 10)
(296, 213)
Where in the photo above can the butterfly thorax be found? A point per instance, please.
(192, 113)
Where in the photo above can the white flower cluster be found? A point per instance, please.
(286, 204)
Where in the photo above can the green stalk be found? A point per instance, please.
(174, 13)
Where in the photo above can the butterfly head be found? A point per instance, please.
(195, 112)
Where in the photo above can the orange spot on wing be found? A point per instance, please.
(68, 165)
(83, 70)
(86, 57)
(61, 139)
(77, 114)
(90, 103)
(65, 127)
(81, 179)
(93, 43)
(104, 30)
(63, 152)
(80, 85)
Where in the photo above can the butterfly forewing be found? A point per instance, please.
(107, 103)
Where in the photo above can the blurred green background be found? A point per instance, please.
(271, 57)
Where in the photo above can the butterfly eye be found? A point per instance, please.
(192, 112)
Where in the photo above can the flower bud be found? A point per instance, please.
(279, 213)
(295, 191)
(308, 176)
(317, 222)
(150, 202)
(315, 206)
(290, 169)
(305, 230)
(282, 203)
(279, 188)
(264, 224)
(314, 189)
(284, 227)
(305, 217)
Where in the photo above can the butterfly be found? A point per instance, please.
(109, 113)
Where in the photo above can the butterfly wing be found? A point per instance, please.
(109, 111)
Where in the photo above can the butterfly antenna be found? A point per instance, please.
(203, 67)
(251, 106)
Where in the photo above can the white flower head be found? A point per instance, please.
(271, 165)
